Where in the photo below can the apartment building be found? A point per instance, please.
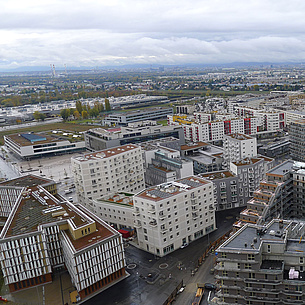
(137, 132)
(31, 145)
(118, 169)
(237, 147)
(269, 121)
(116, 209)
(215, 130)
(250, 172)
(164, 164)
(226, 186)
(172, 214)
(273, 198)
(205, 156)
(263, 265)
(44, 232)
(297, 143)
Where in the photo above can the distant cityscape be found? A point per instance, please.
(182, 185)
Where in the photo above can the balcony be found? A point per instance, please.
(195, 215)
(136, 213)
(137, 224)
(194, 201)
(151, 210)
(162, 216)
(153, 223)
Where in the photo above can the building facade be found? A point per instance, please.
(172, 214)
(297, 143)
(30, 145)
(44, 232)
(118, 169)
(263, 265)
(237, 147)
(137, 115)
(133, 133)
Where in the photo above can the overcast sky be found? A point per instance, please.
(117, 32)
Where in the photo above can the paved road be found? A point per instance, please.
(135, 291)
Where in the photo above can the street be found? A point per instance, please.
(165, 273)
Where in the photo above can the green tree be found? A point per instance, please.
(65, 113)
(107, 105)
(39, 116)
(79, 106)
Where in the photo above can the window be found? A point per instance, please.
(224, 273)
(248, 266)
(251, 257)
(251, 275)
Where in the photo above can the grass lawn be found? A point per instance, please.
(62, 125)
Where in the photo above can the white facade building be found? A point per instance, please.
(116, 209)
(29, 145)
(172, 214)
(118, 169)
(238, 146)
(215, 130)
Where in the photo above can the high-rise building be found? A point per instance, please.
(118, 169)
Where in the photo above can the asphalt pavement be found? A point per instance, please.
(153, 279)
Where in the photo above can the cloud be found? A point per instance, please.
(88, 32)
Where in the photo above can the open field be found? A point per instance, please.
(63, 126)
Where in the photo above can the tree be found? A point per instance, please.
(79, 106)
(107, 105)
(84, 114)
(39, 116)
(65, 113)
(76, 115)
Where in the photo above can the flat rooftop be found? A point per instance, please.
(239, 136)
(27, 181)
(218, 175)
(247, 238)
(118, 198)
(191, 146)
(169, 189)
(38, 207)
(281, 169)
(106, 153)
(247, 161)
(24, 139)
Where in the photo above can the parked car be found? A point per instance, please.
(210, 286)
(184, 245)
(70, 199)
(68, 192)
